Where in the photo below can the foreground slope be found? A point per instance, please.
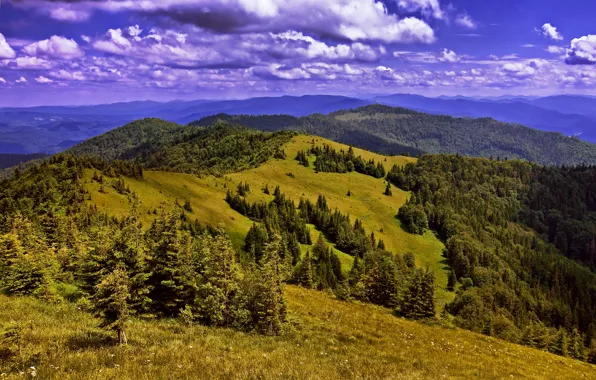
(399, 130)
(328, 339)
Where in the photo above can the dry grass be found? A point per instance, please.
(328, 339)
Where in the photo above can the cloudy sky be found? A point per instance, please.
(97, 51)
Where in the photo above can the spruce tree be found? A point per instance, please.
(418, 302)
(270, 308)
(303, 272)
(111, 302)
(451, 281)
(388, 191)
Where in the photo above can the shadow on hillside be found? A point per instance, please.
(90, 339)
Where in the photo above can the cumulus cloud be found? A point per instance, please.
(449, 56)
(66, 14)
(427, 7)
(42, 79)
(2, 80)
(292, 44)
(466, 21)
(56, 47)
(6, 51)
(68, 75)
(355, 20)
(582, 51)
(555, 49)
(21, 80)
(551, 32)
(31, 63)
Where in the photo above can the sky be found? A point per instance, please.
(71, 52)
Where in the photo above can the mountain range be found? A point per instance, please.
(51, 129)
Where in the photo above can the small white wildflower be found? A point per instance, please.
(179, 366)
(189, 346)
(33, 373)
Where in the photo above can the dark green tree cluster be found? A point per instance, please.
(413, 216)
(156, 144)
(329, 160)
(512, 280)
(302, 158)
(349, 238)
(55, 247)
(243, 189)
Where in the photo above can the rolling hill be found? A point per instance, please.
(392, 130)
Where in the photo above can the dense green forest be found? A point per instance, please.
(155, 144)
(391, 130)
(512, 283)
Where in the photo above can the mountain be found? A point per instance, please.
(392, 130)
(546, 114)
(52, 129)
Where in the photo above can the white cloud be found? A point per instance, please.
(21, 80)
(6, 51)
(292, 43)
(42, 79)
(427, 7)
(86, 38)
(55, 47)
(555, 50)
(33, 63)
(2, 80)
(466, 21)
(528, 46)
(582, 51)
(550, 31)
(68, 75)
(449, 56)
(66, 14)
(356, 20)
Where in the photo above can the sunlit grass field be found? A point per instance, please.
(366, 202)
(325, 339)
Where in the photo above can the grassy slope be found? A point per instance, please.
(329, 340)
(367, 202)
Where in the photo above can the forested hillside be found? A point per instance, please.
(512, 283)
(401, 131)
(187, 227)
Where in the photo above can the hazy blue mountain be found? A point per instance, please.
(513, 110)
(51, 129)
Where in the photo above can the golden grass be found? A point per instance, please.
(367, 201)
(328, 339)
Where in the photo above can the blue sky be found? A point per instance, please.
(88, 51)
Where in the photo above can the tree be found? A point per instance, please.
(388, 191)
(451, 281)
(111, 303)
(419, 300)
(270, 308)
(303, 272)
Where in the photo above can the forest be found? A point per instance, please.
(400, 131)
(511, 281)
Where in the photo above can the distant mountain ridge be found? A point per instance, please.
(391, 130)
(51, 129)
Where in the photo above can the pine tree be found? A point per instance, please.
(270, 308)
(418, 302)
(388, 191)
(576, 345)
(560, 345)
(168, 280)
(451, 281)
(111, 302)
(219, 289)
(303, 272)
